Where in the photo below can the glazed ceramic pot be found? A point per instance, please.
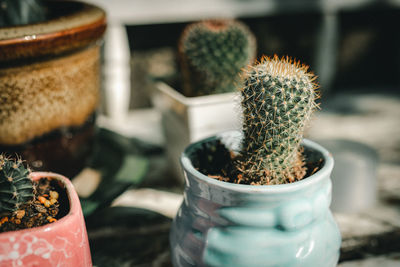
(50, 86)
(61, 243)
(225, 224)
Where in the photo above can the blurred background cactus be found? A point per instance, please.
(212, 53)
(18, 12)
(278, 97)
(16, 188)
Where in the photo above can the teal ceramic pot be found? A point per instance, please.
(225, 224)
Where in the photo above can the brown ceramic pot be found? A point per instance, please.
(50, 88)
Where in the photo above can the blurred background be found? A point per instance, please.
(350, 45)
(353, 46)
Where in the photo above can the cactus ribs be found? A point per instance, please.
(212, 54)
(277, 99)
(26, 203)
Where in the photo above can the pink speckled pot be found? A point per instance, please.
(62, 243)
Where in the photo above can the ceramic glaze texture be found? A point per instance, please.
(223, 224)
(41, 97)
(50, 86)
(71, 25)
(62, 243)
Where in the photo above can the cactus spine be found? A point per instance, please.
(278, 97)
(16, 188)
(212, 54)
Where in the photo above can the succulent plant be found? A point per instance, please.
(16, 188)
(212, 53)
(278, 97)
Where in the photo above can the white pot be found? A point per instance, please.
(189, 119)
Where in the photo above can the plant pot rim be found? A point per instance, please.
(74, 207)
(73, 30)
(321, 174)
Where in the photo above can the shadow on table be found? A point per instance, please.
(123, 163)
(124, 236)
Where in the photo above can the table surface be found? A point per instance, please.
(134, 231)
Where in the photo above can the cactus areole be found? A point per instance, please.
(16, 188)
(278, 97)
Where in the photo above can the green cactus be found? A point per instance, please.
(212, 54)
(16, 188)
(278, 97)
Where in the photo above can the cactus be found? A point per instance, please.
(212, 54)
(278, 97)
(16, 188)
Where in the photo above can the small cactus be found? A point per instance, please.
(16, 188)
(278, 97)
(212, 54)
